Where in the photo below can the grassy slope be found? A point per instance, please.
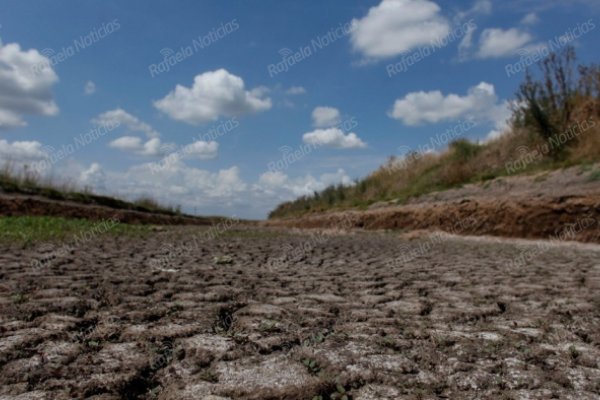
(530, 146)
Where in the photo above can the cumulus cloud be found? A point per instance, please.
(333, 137)
(21, 151)
(181, 184)
(295, 90)
(127, 143)
(213, 95)
(279, 184)
(497, 43)
(26, 80)
(396, 26)
(121, 117)
(89, 88)
(133, 144)
(480, 104)
(200, 150)
(93, 177)
(324, 117)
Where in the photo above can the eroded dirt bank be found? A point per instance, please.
(561, 219)
(24, 205)
(282, 315)
(563, 205)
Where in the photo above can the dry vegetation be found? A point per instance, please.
(554, 125)
(26, 181)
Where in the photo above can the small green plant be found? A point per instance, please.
(312, 365)
(340, 393)
(223, 260)
(268, 325)
(93, 344)
(574, 352)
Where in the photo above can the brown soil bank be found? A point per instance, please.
(562, 205)
(20, 205)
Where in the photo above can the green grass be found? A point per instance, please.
(28, 230)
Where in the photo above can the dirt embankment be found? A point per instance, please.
(562, 205)
(20, 205)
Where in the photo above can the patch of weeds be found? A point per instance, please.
(153, 393)
(594, 176)
(208, 375)
(585, 168)
(317, 338)
(92, 344)
(223, 260)
(337, 391)
(574, 352)
(20, 298)
(268, 325)
(312, 366)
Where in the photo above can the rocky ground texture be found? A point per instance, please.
(264, 314)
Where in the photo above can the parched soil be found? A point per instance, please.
(560, 205)
(292, 315)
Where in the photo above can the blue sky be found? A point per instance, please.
(301, 94)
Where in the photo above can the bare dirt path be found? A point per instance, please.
(288, 315)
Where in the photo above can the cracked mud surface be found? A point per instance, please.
(290, 315)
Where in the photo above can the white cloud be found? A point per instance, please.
(26, 79)
(295, 90)
(480, 7)
(465, 45)
(201, 150)
(277, 183)
(89, 88)
(214, 94)
(530, 19)
(122, 117)
(333, 137)
(180, 184)
(93, 177)
(127, 143)
(480, 104)
(324, 117)
(273, 179)
(153, 147)
(496, 43)
(396, 26)
(132, 144)
(22, 151)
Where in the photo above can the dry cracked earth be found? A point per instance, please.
(261, 314)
